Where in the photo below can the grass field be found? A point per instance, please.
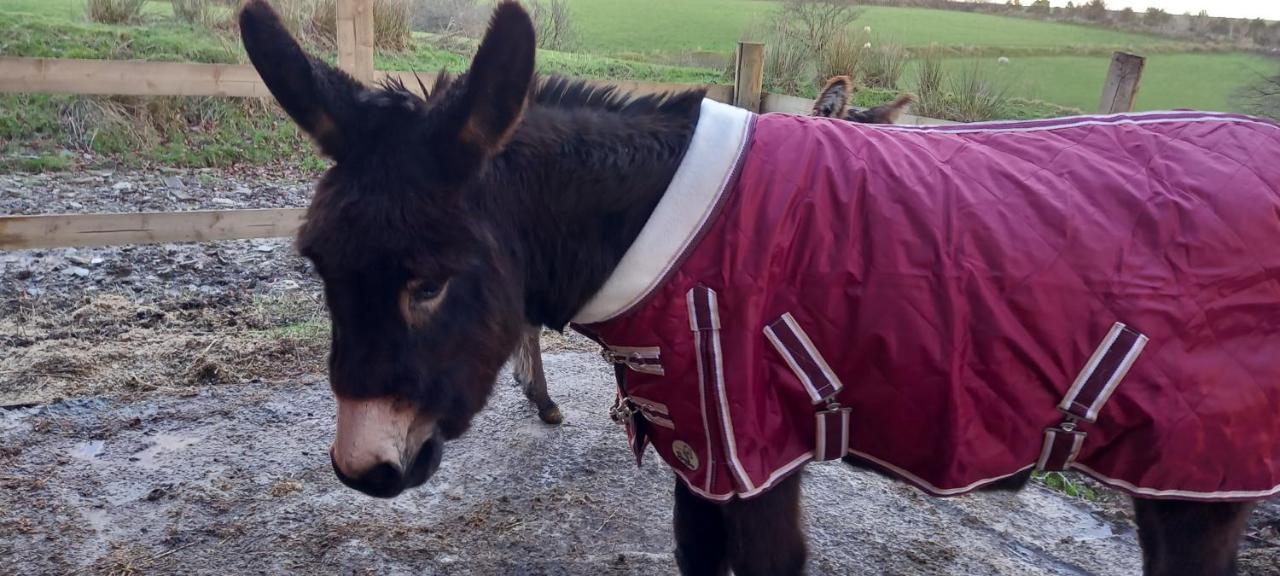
(1199, 81)
(674, 26)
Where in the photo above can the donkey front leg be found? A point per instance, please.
(766, 534)
(1181, 538)
(527, 369)
(760, 536)
(700, 534)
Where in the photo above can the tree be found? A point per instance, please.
(1200, 22)
(1258, 31)
(817, 22)
(1261, 97)
(1125, 16)
(1155, 17)
(1040, 7)
(1096, 10)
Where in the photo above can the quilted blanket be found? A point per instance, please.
(958, 304)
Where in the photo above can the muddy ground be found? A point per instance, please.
(166, 412)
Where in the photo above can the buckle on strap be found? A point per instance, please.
(831, 432)
(1091, 389)
(622, 411)
(647, 360)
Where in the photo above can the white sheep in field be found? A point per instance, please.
(1003, 61)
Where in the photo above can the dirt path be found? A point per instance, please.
(235, 479)
(166, 414)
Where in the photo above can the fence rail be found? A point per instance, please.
(355, 31)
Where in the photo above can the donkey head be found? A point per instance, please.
(833, 102)
(424, 304)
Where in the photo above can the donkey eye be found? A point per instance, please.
(428, 291)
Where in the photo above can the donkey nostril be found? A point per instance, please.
(384, 480)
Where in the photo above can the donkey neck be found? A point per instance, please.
(586, 182)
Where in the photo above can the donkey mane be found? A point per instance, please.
(559, 92)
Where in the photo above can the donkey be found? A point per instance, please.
(450, 224)
(832, 102)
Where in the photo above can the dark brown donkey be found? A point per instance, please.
(449, 225)
(832, 102)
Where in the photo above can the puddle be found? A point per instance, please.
(88, 450)
(163, 445)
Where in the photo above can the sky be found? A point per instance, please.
(1268, 9)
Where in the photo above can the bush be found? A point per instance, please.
(844, 56)
(465, 17)
(553, 22)
(786, 57)
(817, 23)
(884, 65)
(191, 11)
(114, 11)
(977, 93)
(316, 22)
(930, 82)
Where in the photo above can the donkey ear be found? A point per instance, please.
(483, 112)
(831, 102)
(319, 98)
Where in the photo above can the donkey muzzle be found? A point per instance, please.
(383, 446)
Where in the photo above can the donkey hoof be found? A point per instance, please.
(551, 414)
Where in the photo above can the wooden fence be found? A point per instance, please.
(355, 55)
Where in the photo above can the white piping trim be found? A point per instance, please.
(730, 445)
(718, 143)
(1077, 440)
(702, 394)
(1050, 438)
(1116, 377)
(813, 352)
(979, 128)
(706, 494)
(1226, 495)
(921, 483)
(779, 474)
(1090, 366)
(821, 424)
(791, 362)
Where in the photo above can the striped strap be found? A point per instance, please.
(1060, 449)
(1103, 372)
(819, 380)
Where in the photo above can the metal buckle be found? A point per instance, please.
(622, 412)
(634, 360)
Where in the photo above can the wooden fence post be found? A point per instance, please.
(1121, 86)
(748, 76)
(354, 32)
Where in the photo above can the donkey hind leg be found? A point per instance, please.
(527, 368)
(700, 535)
(1181, 538)
(766, 533)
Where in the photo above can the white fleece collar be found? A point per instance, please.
(718, 143)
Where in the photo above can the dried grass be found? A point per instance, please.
(114, 11)
(191, 11)
(844, 55)
(884, 64)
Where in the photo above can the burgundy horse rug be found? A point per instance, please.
(958, 304)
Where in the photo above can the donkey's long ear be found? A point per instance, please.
(321, 99)
(831, 102)
(480, 113)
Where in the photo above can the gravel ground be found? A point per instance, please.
(165, 412)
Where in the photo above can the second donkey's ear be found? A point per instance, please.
(321, 99)
(834, 97)
(479, 113)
